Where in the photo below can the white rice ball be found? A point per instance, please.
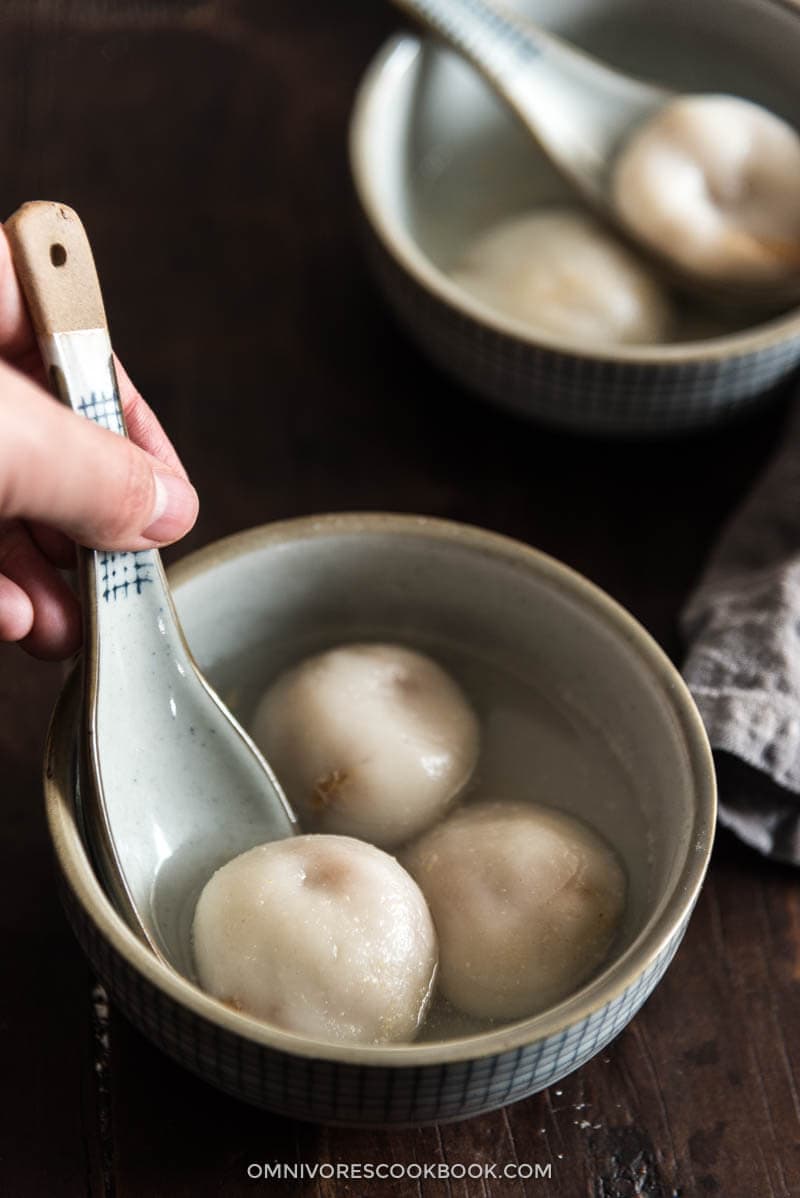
(525, 901)
(562, 271)
(713, 182)
(368, 740)
(324, 936)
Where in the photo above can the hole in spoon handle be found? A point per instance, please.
(55, 267)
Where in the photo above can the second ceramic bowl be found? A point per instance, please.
(608, 699)
(436, 157)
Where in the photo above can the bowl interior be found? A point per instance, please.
(579, 709)
(445, 159)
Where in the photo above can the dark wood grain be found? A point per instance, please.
(204, 146)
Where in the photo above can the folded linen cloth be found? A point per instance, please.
(742, 624)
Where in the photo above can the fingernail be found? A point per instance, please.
(174, 510)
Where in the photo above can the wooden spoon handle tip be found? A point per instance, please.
(55, 268)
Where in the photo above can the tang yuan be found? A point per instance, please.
(368, 740)
(560, 270)
(324, 936)
(713, 182)
(525, 901)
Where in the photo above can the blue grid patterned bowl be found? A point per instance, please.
(432, 152)
(229, 596)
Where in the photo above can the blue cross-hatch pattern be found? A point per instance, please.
(121, 574)
(104, 410)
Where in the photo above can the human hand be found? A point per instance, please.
(65, 479)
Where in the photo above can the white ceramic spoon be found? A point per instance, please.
(172, 787)
(580, 112)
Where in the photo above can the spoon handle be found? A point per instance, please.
(55, 267)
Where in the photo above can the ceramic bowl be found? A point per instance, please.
(257, 601)
(436, 157)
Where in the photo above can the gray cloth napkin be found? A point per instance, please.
(742, 624)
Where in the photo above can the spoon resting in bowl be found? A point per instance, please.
(708, 186)
(171, 785)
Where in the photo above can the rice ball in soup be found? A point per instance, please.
(324, 936)
(526, 901)
(713, 182)
(368, 740)
(560, 270)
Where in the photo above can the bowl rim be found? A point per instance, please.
(613, 980)
(397, 55)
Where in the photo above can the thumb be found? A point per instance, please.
(95, 486)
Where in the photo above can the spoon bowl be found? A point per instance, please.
(153, 730)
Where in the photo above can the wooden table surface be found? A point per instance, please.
(204, 146)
